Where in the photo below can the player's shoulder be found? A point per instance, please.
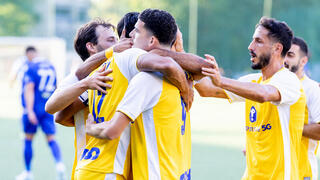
(129, 52)
(310, 85)
(286, 76)
(250, 77)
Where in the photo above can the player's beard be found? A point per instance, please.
(264, 60)
(99, 48)
(293, 68)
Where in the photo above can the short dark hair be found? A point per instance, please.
(161, 24)
(128, 21)
(87, 33)
(302, 44)
(279, 32)
(30, 48)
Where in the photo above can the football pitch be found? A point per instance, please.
(217, 143)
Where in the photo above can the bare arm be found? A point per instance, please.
(94, 61)
(206, 89)
(171, 71)
(189, 62)
(65, 117)
(256, 92)
(62, 98)
(311, 131)
(109, 129)
(29, 99)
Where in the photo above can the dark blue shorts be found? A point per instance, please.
(45, 120)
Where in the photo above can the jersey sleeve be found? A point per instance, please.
(288, 86)
(232, 97)
(314, 104)
(142, 94)
(127, 61)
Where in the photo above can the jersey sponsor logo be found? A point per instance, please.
(253, 114)
(258, 128)
(306, 178)
(186, 175)
(91, 154)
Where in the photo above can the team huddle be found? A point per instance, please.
(129, 101)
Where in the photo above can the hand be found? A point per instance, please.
(97, 81)
(124, 43)
(178, 44)
(32, 117)
(188, 95)
(214, 72)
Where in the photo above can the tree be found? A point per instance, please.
(17, 17)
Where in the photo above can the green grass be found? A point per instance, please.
(207, 160)
(217, 137)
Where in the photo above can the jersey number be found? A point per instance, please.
(98, 119)
(47, 80)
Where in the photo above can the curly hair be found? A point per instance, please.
(161, 24)
(87, 33)
(279, 32)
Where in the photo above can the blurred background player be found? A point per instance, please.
(296, 60)
(38, 83)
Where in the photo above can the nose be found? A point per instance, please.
(131, 34)
(250, 47)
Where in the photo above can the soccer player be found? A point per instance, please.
(110, 159)
(162, 64)
(39, 82)
(95, 36)
(275, 103)
(161, 145)
(295, 60)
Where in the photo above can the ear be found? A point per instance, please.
(90, 47)
(304, 60)
(278, 48)
(153, 42)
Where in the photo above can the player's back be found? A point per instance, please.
(110, 156)
(42, 73)
(159, 135)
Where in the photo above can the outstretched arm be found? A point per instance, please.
(254, 91)
(189, 62)
(206, 89)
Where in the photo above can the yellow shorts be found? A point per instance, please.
(90, 175)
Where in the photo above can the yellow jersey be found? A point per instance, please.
(111, 156)
(308, 164)
(80, 117)
(160, 132)
(274, 129)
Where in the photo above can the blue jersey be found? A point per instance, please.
(43, 75)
